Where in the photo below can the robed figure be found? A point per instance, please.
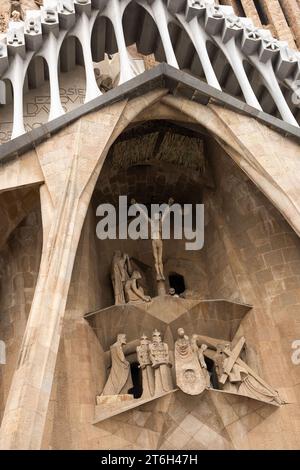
(234, 376)
(133, 291)
(190, 376)
(119, 381)
(120, 273)
(145, 364)
(159, 355)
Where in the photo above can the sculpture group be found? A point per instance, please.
(154, 363)
(235, 376)
(125, 281)
(228, 373)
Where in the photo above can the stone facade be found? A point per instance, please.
(57, 314)
(251, 255)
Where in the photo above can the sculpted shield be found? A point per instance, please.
(190, 377)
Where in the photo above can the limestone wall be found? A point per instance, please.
(19, 265)
(261, 267)
(250, 254)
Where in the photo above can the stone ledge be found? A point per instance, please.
(103, 412)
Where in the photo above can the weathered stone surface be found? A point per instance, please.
(251, 256)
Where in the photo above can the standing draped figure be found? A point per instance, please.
(159, 354)
(191, 375)
(143, 355)
(119, 380)
(120, 272)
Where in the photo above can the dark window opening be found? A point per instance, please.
(212, 372)
(136, 375)
(176, 282)
(261, 12)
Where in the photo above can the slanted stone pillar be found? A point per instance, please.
(71, 163)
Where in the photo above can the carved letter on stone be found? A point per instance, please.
(190, 376)
(119, 380)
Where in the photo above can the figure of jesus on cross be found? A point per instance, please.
(156, 224)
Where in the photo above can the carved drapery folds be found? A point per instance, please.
(125, 281)
(200, 363)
